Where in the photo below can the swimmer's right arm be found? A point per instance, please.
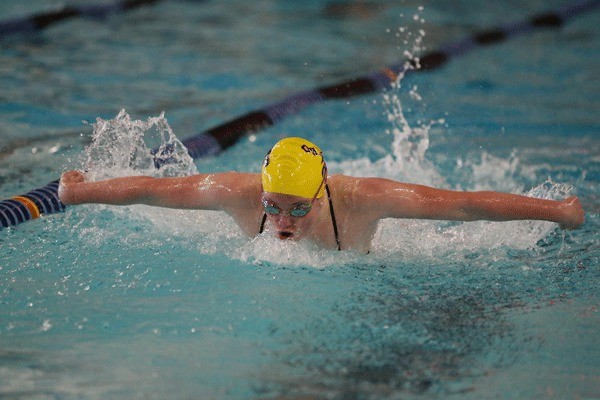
(202, 191)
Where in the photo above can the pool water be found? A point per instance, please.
(145, 303)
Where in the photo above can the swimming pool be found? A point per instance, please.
(147, 303)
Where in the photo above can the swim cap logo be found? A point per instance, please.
(314, 152)
(309, 150)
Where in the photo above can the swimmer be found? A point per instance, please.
(295, 198)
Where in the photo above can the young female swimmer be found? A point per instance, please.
(297, 200)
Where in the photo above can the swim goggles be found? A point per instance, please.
(299, 210)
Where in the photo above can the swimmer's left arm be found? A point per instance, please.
(400, 200)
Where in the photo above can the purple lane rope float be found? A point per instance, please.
(45, 201)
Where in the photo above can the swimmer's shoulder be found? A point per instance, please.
(340, 181)
(231, 186)
(345, 189)
(359, 193)
(236, 193)
(351, 185)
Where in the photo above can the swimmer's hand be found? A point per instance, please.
(66, 188)
(573, 211)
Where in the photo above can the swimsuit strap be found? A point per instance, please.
(262, 223)
(335, 229)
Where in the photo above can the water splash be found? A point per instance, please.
(123, 146)
(551, 190)
(267, 249)
(407, 159)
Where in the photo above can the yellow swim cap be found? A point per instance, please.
(296, 167)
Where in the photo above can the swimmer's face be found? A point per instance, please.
(285, 214)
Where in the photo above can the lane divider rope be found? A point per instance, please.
(31, 205)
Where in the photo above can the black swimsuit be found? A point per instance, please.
(335, 229)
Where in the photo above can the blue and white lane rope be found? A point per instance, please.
(31, 205)
(213, 141)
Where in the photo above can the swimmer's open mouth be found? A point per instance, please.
(283, 235)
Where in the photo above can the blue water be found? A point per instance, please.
(145, 303)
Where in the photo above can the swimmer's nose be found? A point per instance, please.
(284, 221)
